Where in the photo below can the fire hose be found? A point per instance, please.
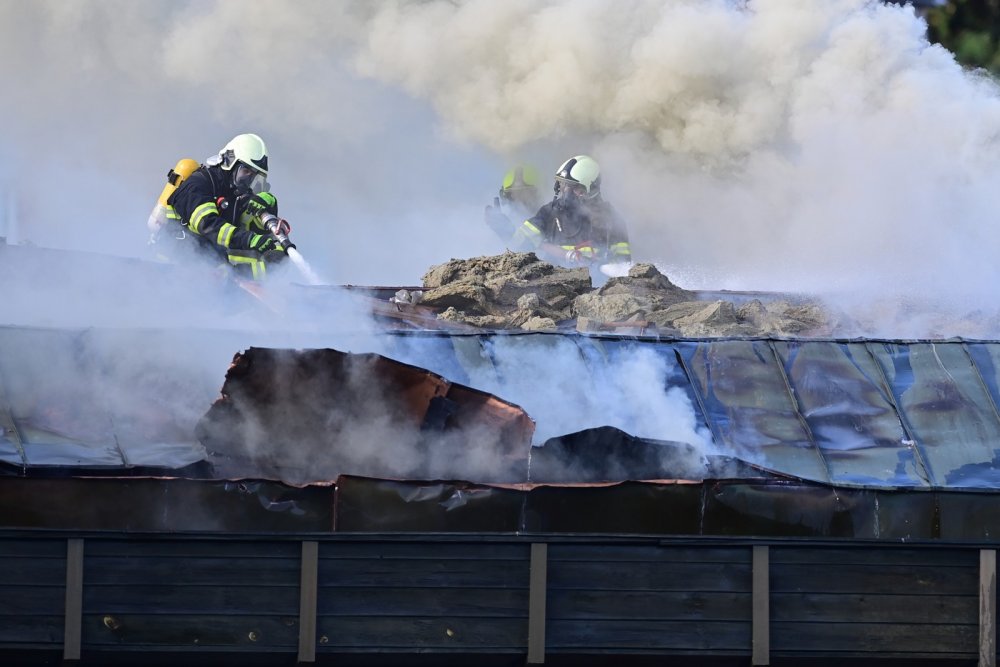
(279, 229)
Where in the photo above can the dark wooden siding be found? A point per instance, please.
(209, 595)
(872, 602)
(191, 597)
(442, 598)
(605, 599)
(32, 593)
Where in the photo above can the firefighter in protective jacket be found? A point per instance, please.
(578, 227)
(225, 211)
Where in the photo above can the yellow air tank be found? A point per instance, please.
(183, 169)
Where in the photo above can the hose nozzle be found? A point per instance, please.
(279, 229)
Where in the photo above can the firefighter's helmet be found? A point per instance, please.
(246, 157)
(520, 186)
(579, 175)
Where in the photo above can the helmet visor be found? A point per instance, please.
(248, 178)
(567, 189)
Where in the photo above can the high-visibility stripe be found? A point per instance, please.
(208, 208)
(530, 229)
(585, 251)
(527, 232)
(172, 214)
(256, 265)
(225, 235)
(622, 248)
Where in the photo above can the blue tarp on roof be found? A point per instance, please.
(881, 414)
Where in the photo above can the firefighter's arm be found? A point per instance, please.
(618, 247)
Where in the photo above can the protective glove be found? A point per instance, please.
(263, 243)
(265, 202)
(275, 257)
(497, 220)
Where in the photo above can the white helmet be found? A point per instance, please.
(248, 149)
(247, 153)
(581, 170)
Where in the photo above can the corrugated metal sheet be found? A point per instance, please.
(884, 414)
(881, 414)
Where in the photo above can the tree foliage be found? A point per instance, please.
(970, 29)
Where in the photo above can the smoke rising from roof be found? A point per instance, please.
(751, 145)
(754, 145)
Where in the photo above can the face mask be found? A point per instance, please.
(247, 179)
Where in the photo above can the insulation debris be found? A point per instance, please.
(519, 291)
(311, 415)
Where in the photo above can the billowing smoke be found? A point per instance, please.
(755, 145)
(764, 145)
(798, 146)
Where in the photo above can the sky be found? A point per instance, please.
(786, 145)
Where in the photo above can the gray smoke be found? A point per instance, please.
(775, 145)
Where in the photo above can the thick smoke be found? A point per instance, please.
(769, 145)
(756, 145)
(801, 146)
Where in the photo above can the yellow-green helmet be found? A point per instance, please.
(520, 185)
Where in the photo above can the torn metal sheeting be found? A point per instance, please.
(722, 508)
(859, 414)
(310, 415)
(170, 505)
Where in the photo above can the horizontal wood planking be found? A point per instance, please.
(410, 597)
(399, 573)
(424, 601)
(422, 634)
(645, 576)
(874, 608)
(204, 631)
(648, 605)
(914, 580)
(168, 598)
(880, 555)
(654, 637)
(649, 553)
(191, 594)
(874, 639)
(32, 630)
(871, 602)
(194, 548)
(220, 571)
(32, 593)
(436, 551)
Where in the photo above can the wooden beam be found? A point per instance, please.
(536, 603)
(987, 608)
(73, 619)
(761, 631)
(308, 588)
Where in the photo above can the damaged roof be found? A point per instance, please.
(868, 414)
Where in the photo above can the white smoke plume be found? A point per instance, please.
(775, 144)
(761, 145)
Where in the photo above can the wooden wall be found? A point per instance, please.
(280, 600)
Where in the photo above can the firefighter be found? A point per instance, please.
(223, 210)
(578, 227)
(517, 201)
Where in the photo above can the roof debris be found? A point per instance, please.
(519, 291)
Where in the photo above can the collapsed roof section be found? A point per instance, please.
(869, 414)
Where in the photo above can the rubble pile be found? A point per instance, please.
(519, 291)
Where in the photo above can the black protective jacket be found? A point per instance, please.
(593, 228)
(207, 205)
